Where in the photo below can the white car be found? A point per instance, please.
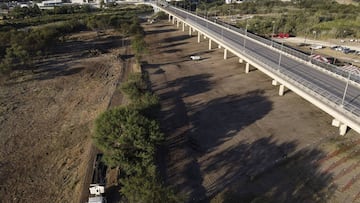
(195, 58)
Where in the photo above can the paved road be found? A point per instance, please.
(291, 67)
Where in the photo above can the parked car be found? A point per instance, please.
(195, 58)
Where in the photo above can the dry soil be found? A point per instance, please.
(231, 138)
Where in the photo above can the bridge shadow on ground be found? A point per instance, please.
(206, 156)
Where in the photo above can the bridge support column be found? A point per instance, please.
(225, 54)
(241, 60)
(189, 30)
(183, 26)
(342, 127)
(281, 90)
(199, 37)
(177, 24)
(173, 20)
(247, 68)
(209, 44)
(281, 87)
(169, 17)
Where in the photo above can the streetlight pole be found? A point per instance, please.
(282, 45)
(346, 87)
(222, 32)
(273, 33)
(311, 53)
(246, 27)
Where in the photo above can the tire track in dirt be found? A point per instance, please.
(116, 99)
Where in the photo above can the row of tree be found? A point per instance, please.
(129, 136)
(20, 47)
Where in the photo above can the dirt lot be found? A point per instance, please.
(46, 119)
(231, 138)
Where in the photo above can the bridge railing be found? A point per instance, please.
(317, 92)
(329, 67)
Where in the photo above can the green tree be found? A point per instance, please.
(15, 55)
(127, 139)
(134, 87)
(139, 46)
(124, 29)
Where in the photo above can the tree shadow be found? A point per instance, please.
(255, 169)
(176, 38)
(189, 85)
(220, 119)
(56, 63)
(173, 45)
(153, 32)
(260, 172)
(171, 51)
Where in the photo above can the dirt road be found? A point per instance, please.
(231, 138)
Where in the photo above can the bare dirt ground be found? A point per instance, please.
(231, 138)
(46, 120)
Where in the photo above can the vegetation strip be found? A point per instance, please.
(129, 135)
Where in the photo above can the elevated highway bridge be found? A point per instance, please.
(326, 86)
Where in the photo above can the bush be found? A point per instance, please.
(134, 87)
(15, 55)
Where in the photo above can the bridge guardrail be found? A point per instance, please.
(319, 93)
(329, 67)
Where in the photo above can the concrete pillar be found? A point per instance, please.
(169, 17)
(173, 20)
(177, 24)
(343, 129)
(225, 54)
(209, 44)
(241, 60)
(281, 90)
(274, 82)
(189, 30)
(183, 27)
(335, 123)
(199, 36)
(247, 68)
